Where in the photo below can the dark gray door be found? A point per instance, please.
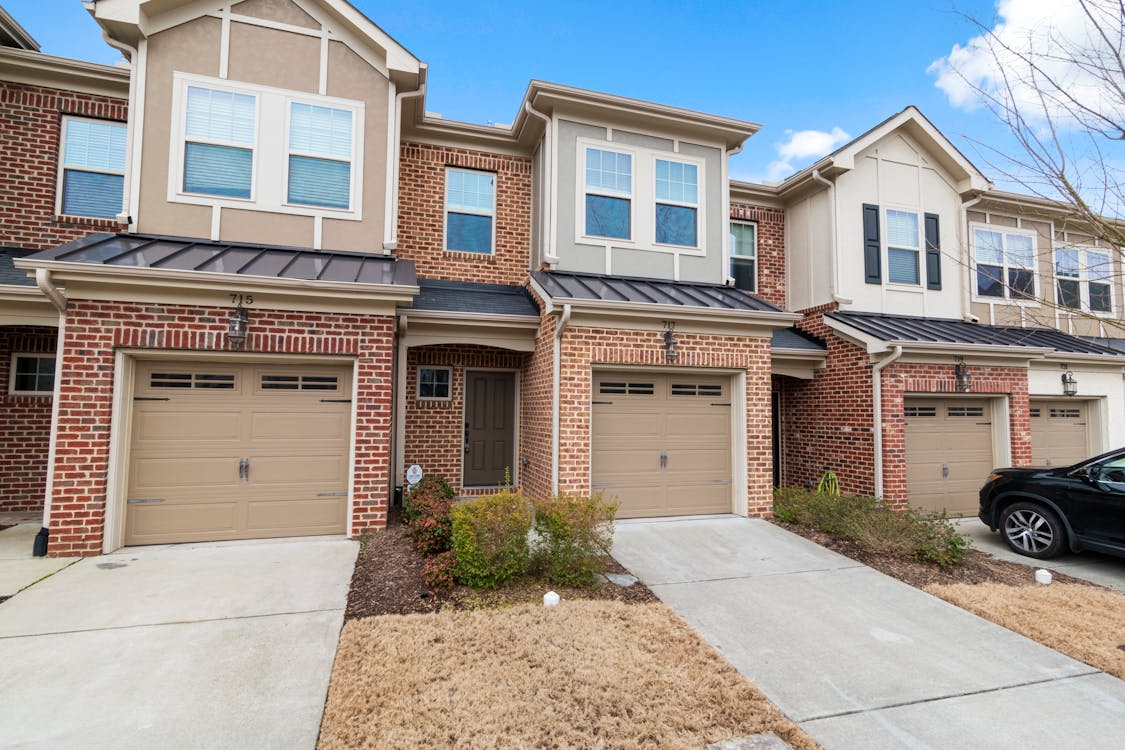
(489, 427)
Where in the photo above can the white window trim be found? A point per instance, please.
(696, 205)
(1084, 281)
(734, 257)
(12, 374)
(445, 211)
(289, 102)
(269, 186)
(418, 383)
(884, 233)
(642, 201)
(1005, 300)
(61, 176)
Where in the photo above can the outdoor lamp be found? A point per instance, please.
(237, 326)
(961, 373)
(670, 343)
(1070, 384)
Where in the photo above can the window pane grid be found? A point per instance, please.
(433, 382)
(220, 116)
(1006, 266)
(470, 192)
(677, 181)
(744, 240)
(902, 229)
(33, 374)
(609, 171)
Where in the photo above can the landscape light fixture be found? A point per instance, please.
(238, 326)
(1070, 384)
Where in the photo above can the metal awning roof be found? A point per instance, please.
(596, 287)
(797, 340)
(473, 297)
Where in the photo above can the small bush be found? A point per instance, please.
(490, 539)
(574, 535)
(427, 509)
(437, 573)
(873, 525)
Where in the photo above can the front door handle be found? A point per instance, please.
(466, 438)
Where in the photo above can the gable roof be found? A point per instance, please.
(14, 35)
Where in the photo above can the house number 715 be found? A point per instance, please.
(242, 299)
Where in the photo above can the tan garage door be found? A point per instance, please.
(1059, 433)
(661, 443)
(948, 453)
(237, 452)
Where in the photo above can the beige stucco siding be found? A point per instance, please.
(281, 11)
(274, 58)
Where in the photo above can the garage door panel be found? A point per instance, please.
(698, 497)
(196, 472)
(184, 425)
(156, 522)
(948, 452)
(623, 423)
(297, 470)
(637, 501)
(323, 515)
(297, 426)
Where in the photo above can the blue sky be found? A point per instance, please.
(790, 66)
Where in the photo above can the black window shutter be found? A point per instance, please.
(933, 252)
(872, 248)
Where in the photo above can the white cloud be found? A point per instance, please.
(803, 144)
(1045, 29)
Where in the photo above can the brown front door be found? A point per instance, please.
(489, 427)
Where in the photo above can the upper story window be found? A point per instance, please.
(92, 177)
(903, 246)
(32, 375)
(470, 210)
(219, 137)
(744, 256)
(320, 156)
(677, 203)
(1005, 263)
(1084, 279)
(609, 194)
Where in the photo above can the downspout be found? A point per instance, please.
(877, 390)
(834, 263)
(43, 281)
(547, 207)
(967, 262)
(399, 431)
(130, 54)
(556, 397)
(392, 245)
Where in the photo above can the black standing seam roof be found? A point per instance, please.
(9, 274)
(473, 297)
(795, 338)
(566, 285)
(239, 258)
(1117, 345)
(949, 331)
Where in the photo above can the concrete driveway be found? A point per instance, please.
(184, 646)
(859, 659)
(1104, 570)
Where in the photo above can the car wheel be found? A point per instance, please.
(1033, 530)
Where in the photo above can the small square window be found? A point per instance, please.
(32, 374)
(434, 383)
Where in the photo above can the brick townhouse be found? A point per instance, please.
(318, 284)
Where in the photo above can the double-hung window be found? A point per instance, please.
(219, 137)
(320, 156)
(93, 168)
(903, 246)
(470, 210)
(609, 194)
(677, 203)
(1084, 279)
(1005, 264)
(744, 256)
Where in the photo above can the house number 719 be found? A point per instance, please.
(242, 299)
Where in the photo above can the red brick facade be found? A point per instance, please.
(421, 222)
(536, 423)
(583, 348)
(434, 429)
(95, 330)
(25, 425)
(30, 126)
(771, 248)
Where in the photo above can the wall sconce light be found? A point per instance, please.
(961, 373)
(1070, 384)
(670, 344)
(238, 326)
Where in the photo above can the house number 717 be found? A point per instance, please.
(242, 299)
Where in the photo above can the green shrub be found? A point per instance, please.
(427, 508)
(873, 525)
(574, 535)
(437, 573)
(490, 539)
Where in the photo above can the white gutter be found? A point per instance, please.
(877, 389)
(556, 397)
(43, 281)
(132, 150)
(967, 262)
(390, 243)
(546, 209)
(834, 271)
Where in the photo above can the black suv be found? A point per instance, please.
(1041, 512)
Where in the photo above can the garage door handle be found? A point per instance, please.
(945, 471)
(663, 460)
(243, 469)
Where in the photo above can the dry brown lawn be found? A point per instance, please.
(1084, 622)
(588, 674)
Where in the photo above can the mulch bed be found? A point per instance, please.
(388, 581)
(976, 567)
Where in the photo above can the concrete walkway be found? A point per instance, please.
(185, 646)
(18, 569)
(1104, 570)
(859, 659)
